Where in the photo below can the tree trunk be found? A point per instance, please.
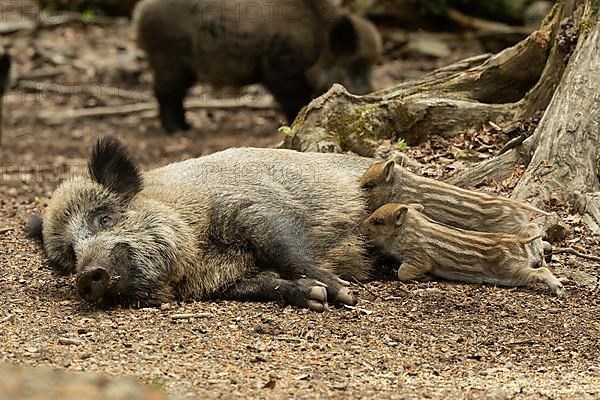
(556, 69)
(563, 155)
(565, 163)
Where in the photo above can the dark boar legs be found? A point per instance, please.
(170, 89)
(283, 246)
(283, 263)
(268, 286)
(291, 92)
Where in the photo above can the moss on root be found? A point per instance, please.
(360, 130)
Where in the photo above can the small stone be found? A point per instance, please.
(69, 341)
(428, 45)
(497, 393)
(260, 358)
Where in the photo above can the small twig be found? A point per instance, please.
(97, 91)
(59, 117)
(521, 342)
(68, 341)
(4, 230)
(41, 73)
(570, 250)
(190, 316)
(511, 144)
(479, 24)
(8, 318)
(290, 339)
(362, 285)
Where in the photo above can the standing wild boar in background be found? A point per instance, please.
(296, 48)
(246, 224)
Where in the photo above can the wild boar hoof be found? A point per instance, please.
(343, 282)
(559, 289)
(317, 298)
(344, 297)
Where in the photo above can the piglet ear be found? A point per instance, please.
(388, 170)
(111, 166)
(416, 206)
(400, 215)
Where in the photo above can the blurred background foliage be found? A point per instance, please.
(510, 11)
(503, 10)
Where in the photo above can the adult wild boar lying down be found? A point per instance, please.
(296, 48)
(247, 224)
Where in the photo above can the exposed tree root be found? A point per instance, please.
(569, 250)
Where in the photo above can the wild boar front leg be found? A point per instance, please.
(268, 286)
(292, 93)
(412, 270)
(284, 76)
(282, 245)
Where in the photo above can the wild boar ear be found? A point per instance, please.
(34, 228)
(343, 38)
(416, 206)
(388, 171)
(111, 166)
(400, 215)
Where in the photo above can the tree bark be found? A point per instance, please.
(569, 133)
(563, 154)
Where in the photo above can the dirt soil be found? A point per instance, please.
(416, 340)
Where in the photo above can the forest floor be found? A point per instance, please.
(415, 340)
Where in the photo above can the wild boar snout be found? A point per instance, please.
(93, 283)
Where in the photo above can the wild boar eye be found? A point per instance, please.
(379, 222)
(105, 221)
(369, 185)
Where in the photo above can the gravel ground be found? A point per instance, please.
(417, 340)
